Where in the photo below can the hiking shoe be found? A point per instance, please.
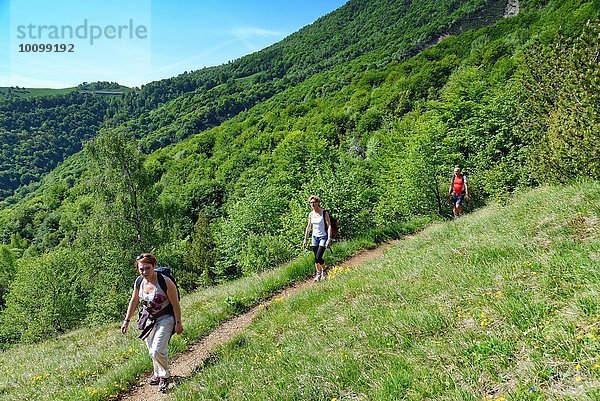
(163, 383)
(323, 274)
(317, 276)
(153, 380)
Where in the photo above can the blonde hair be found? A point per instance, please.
(315, 198)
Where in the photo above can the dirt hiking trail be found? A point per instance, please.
(185, 365)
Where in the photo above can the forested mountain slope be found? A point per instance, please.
(376, 141)
(36, 134)
(169, 110)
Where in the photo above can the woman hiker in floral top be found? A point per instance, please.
(160, 318)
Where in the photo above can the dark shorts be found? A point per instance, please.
(457, 199)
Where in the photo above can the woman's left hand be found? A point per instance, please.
(178, 328)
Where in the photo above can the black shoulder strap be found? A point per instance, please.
(162, 282)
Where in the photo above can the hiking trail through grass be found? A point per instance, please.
(186, 364)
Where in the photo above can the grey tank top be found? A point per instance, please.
(318, 224)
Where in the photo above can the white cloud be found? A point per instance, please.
(252, 32)
(254, 38)
(29, 82)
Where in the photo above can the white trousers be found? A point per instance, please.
(157, 342)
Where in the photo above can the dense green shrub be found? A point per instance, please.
(48, 296)
(560, 120)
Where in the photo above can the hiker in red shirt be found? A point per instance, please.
(458, 191)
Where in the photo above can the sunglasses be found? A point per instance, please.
(145, 256)
(312, 202)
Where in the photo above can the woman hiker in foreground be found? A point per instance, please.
(160, 317)
(321, 237)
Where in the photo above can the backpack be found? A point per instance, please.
(334, 225)
(162, 272)
(464, 176)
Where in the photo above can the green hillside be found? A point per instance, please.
(514, 103)
(21, 92)
(9, 92)
(376, 32)
(39, 128)
(500, 304)
(167, 111)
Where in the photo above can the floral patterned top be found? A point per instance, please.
(155, 301)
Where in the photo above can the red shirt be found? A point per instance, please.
(458, 184)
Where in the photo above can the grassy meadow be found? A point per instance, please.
(98, 363)
(33, 92)
(502, 304)
(39, 92)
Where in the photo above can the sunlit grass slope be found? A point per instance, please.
(502, 304)
(33, 92)
(98, 363)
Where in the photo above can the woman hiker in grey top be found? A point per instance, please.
(318, 218)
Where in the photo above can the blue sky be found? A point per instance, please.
(134, 42)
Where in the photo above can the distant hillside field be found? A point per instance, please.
(6, 92)
(20, 92)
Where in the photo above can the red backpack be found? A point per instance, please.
(334, 225)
